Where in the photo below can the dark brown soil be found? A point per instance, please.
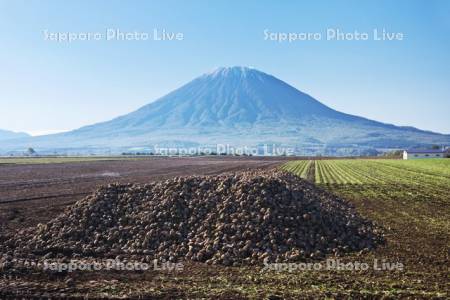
(36, 193)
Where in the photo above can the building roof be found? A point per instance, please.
(426, 151)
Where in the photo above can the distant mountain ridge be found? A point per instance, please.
(9, 135)
(239, 106)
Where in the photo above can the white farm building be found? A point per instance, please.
(416, 154)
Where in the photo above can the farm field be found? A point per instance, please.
(299, 167)
(408, 200)
(62, 159)
(37, 192)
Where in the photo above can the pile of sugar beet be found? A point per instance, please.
(231, 219)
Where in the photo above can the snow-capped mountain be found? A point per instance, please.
(239, 106)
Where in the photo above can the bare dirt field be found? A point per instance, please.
(35, 193)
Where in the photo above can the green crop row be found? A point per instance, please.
(432, 174)
(298, 167)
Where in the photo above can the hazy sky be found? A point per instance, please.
(48, 86)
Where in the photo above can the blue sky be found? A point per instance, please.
(48, 86)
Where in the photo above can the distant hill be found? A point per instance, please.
(242, 107)
(9, 135)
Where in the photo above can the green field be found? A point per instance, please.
(358, 171)
(299, 167)
(411, 200)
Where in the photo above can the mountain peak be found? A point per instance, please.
(241, 71)
(228, 97)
